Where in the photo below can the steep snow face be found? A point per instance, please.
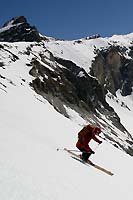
(82, 52)
(124, 107)
(30, 133)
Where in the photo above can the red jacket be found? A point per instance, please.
(85, 135)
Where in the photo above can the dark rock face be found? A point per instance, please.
(70, 83)
(17, 29)
(113, 70)
(53, 82)
(127, 78)
(16, 20)
(87, 88)
(72, 86)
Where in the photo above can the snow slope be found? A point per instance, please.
(81, 52)
(123, 106)
(30, 133)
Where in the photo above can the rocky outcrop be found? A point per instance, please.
(17, 30)
(72, 86)
(87, 88)
(70, 83)
(63, 83)
(113, 70)
(93, 37)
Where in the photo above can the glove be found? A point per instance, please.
(100, 142)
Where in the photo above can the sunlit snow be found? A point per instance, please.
(30, 133)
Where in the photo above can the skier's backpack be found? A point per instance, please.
(83, 132)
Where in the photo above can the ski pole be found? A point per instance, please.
(60, 149)
(102, 137)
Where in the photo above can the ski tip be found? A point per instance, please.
(111, 174)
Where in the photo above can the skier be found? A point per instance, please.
(84, 137)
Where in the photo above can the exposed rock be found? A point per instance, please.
(87, 88)
(17, 29)
(53, 82)
(113, 70)
(72, 86)
(93, 36)
(16, 20)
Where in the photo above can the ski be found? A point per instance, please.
(88, 162)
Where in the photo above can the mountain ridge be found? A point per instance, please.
(76, 74)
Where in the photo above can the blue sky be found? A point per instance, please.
(72, 19)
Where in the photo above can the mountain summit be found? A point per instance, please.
(85, 77)
(17, 30)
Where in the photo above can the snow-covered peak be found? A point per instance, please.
(18, 30)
